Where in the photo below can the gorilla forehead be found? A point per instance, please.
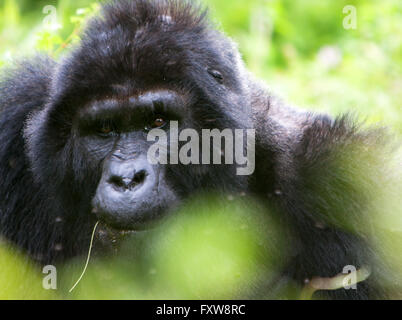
(150, 42)
(139, 13)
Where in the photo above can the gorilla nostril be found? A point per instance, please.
(139, 177)
(118, 182)
(127, 183)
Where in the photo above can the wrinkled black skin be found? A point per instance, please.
(51, 167)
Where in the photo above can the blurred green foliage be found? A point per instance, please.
(19, 278)
(210, 249)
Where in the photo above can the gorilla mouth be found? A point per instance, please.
(132, 223)
(108, 237)
(126, 217)
(107, 231)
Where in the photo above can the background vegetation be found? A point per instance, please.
(303, 52)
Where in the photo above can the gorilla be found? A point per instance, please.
(73, 143)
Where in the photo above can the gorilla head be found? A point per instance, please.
(141, 64)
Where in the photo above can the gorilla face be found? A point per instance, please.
(112, 132)
(126, 77)
(131, 191)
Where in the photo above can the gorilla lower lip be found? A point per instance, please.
(105, 231)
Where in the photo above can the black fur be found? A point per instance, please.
(48, 180)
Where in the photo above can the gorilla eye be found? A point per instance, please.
(105, 130)
(157, 123)
(216, 74)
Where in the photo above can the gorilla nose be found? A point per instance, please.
(123, 174)
(128, 182)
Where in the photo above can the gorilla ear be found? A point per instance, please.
(216, 74)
